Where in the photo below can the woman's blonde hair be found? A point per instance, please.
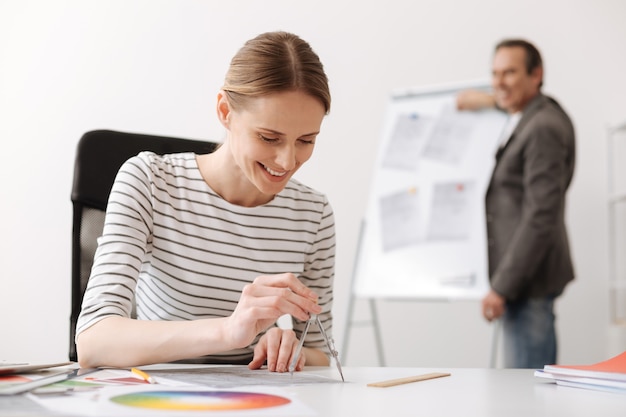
(274, 62)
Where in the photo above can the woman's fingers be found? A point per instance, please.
(262, 302)
(287, 349)
(287, 280)
(276, 293)
(277, 347)
(274, 341)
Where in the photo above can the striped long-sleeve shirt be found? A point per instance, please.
(183, 252)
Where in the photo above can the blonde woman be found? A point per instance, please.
(215, 248)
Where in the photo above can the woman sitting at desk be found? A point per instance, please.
(215, 248)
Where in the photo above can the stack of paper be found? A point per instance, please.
(609, 375)
(7, 368)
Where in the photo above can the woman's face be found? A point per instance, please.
(272, 136)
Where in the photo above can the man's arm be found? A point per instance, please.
(474, 100)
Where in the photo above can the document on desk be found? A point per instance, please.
(22, 367)
(162, 400)
(116, 394)
(240, 376)
(20, 383)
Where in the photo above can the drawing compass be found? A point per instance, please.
(329, 343)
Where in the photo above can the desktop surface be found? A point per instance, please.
(466, 392)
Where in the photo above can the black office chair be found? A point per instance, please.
(99, 155)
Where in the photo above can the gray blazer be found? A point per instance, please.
(528, 246)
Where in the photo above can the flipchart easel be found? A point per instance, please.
(434, 161)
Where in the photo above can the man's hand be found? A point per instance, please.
(493, 305)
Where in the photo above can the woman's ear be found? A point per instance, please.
(223, 109)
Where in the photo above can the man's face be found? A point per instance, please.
(513, 86)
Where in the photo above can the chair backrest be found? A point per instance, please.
(99, 155)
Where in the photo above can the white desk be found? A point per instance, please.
(466, 393)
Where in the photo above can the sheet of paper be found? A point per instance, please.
(20, 383)
(400, 217)
(450, 217)
(240, 376)
(406, 141)
(228, 391)
(20, 405)
(450, 136)
(7, 368)
(177, 401)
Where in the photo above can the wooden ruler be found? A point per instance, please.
(406, 380)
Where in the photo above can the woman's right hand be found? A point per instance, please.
(263, 301)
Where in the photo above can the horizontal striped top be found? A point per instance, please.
(185, 253)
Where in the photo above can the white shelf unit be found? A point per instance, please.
(616, 148)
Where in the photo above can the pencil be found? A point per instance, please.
(399, 381)
(143, 375)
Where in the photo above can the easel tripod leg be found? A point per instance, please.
(379, 340)
(494, 343)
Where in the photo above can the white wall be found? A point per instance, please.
(154, 66)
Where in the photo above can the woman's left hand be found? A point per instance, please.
(277, 346)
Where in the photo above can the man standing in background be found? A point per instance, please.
(528, 249)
